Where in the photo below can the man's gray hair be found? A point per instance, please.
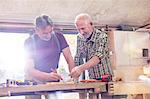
(43, 21)
(83, 16)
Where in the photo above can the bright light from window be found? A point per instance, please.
(71, 40)
(12, 54)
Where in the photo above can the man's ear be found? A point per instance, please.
(91, 23)
(36, 30)
(52, 28)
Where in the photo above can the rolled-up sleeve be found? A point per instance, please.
(62, 41)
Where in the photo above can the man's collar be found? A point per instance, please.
(93, 37)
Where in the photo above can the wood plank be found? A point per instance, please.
(52, 87)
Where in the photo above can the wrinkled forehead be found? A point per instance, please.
(82, 23)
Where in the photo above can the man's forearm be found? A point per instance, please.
(69, 58)
(71, 66)
(71, 63)
(31, 71)
(91, 63)
(42, 76)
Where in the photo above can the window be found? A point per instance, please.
(12, 56)
(71, 40)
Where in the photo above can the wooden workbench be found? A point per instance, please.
(130, 88)
(69, 87)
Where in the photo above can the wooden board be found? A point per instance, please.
(52, 87)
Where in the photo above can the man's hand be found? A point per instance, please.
(76, 72)
(54, 76)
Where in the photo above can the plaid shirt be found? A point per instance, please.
(97, 45)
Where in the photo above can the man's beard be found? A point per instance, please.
(85, 36)
(46, 37)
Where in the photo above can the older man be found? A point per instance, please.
(92, 45)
